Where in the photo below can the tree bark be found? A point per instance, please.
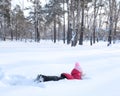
(82, 25)
(55, 29)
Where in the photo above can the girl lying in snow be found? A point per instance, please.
(76, 73)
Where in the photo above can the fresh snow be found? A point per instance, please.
(21, 62)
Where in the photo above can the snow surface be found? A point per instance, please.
(21, 62)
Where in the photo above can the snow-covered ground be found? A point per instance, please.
(20, 63)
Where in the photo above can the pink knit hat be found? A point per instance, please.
(77, 67)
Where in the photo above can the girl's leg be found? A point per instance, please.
(44, 78)
(52, 78)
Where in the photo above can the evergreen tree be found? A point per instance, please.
(37, 16)
(5, 7)
(53, 10)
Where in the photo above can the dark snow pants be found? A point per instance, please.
(49, 78)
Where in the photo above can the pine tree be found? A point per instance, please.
(37, 16)
(5, 6)
(53, 10)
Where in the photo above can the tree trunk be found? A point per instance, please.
(55, 29)
(78, 20)
(74, 31)
(64, 22)
(110, 32)
(37, 34)
(69, 25)
(94, 22)
(82, 25)
(37, 31)
(111, 22)
(117, 11)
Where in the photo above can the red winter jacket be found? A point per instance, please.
(75, 74)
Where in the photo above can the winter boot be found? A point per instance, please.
(39, 78)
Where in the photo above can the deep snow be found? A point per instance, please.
(20, 63)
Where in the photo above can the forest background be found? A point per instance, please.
(72, 21)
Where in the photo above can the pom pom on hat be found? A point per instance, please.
(77, 66)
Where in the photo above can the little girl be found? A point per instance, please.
(76, 73)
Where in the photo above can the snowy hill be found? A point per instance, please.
(21, 62)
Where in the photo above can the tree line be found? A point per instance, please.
(72, 21)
